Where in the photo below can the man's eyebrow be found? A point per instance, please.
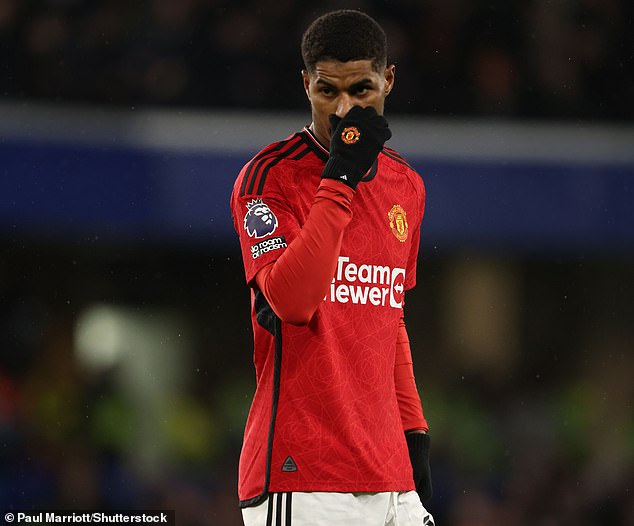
(362, 82)
(325, 82)
(354, 85)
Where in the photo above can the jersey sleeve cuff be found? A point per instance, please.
(336, 189)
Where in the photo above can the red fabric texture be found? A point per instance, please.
(409, 403)
(309, 263)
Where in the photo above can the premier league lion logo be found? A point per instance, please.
(260, 221)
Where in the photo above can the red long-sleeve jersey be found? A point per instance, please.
(328, 270)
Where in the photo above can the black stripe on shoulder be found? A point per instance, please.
(268, 164)
(303, 152)
(270, 155)
(269, 150)
(395, 156)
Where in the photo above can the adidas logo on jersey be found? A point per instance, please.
(378, 285)
(289, 465)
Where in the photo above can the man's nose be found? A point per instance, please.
(344, 104)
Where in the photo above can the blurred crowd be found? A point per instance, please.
(523, 58)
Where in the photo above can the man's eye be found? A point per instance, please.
(326, 91)
(363, 90)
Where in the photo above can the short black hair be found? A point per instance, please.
(344, 35)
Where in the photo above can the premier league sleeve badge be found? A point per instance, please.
(260, 221)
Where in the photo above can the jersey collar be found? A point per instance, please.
(319, 149)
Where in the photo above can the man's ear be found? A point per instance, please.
(306, 81)
(389, 78)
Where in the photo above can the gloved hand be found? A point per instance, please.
(356, 142)
(418, 446)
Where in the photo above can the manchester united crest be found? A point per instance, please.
(398, 222)
(350, 135)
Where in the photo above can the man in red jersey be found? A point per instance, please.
(329, 225)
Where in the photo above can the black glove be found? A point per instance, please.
(418, 446)
(356, 142)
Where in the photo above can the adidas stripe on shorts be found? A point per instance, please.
(339, 509)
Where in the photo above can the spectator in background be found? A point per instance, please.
(531, 59)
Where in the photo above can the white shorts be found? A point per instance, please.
(339, 509)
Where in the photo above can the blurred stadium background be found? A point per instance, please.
(125, 340)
